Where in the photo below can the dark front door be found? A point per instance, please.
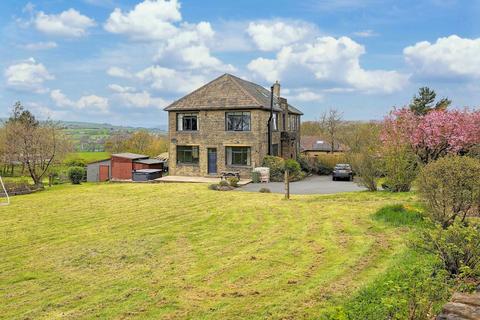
(212, 161)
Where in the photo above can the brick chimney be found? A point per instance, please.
(276, 89)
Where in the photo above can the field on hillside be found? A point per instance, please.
(88, 156)
(182, 251)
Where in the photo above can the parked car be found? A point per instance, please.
(342, 171)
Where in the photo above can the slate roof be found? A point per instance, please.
(316, 143)
(228, 92)
(128, 155)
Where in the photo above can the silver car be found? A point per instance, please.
(342, 171)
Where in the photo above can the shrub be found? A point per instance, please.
(256, 177)
(76, 163)
(264, 190)
(76, 174)
(223, 183)
(213, 186)
(366, 165)
(322, 164)
(399, 215)
(276, 165)
(233, 182)
(458, 247)
(450, 188)
(400, 168)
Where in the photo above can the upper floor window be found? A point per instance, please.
(237, 121)
(293, 122)
(187, 154)
(187, 122)
(275, 121)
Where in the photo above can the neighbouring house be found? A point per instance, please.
(122, 166)
(313, 146)
(230, 124)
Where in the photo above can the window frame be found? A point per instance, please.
(275, 121)
(185, 116)
(241, 114)
(193, 162)
(230, 156)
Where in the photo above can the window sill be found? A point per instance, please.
(237, 131)
(238, 166)
(187, 164)
(189, 131)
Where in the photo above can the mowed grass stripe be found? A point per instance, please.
(183, 251)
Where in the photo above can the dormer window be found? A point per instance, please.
(187, 122)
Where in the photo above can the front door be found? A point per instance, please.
(212, 160)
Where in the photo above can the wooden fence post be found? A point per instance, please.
(287, 185)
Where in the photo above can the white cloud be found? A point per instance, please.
(304, 95)
(365, 33)
(40, 45)
(273, 35)
(149, 20)
(28, 75)
(166, 79)
(130, 97)
(328, 62)
(449, 57)
(90, 103)
(183, 44)
(69, 23)
(119, 73)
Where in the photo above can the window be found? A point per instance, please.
(293, 122)
(275, 149)
(187, 122)
(238, 156)
(237, 121)
(275, 121)
(187, 154)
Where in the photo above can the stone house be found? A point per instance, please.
(229, 125)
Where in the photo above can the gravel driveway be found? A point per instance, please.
(309, 185)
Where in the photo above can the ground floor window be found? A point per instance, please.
(187, 154)
(238, 156)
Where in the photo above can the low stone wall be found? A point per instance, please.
(462, 307)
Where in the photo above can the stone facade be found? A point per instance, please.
(211, 133)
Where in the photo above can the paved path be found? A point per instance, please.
(309, 185)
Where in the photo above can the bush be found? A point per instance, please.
(256, 177)
(264, 190)
(76, 174)
(458, 247)
(399, 215)
(223, 183)
(322, 164)
(450, 188)
(276, 165)
(400, 168)
(366, 165)
(233, 182)
(213, 186)
(76, 163)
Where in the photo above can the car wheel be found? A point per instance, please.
(350, 178)
(333, 179)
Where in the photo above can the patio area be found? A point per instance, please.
(181, 179)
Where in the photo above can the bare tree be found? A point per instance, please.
(331, 122)
(37, 145)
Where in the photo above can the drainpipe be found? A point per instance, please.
(269, 125)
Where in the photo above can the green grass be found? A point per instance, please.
(175, 251)
(400, 215)
(88, 156)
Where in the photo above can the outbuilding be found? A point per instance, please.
(123, 164)
(99, 171)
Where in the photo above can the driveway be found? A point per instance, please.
(309, 185)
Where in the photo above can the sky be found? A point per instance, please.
(122, 62)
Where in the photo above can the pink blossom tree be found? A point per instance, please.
(433, 135)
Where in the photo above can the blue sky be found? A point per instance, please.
(122, 61)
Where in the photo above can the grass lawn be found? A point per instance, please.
(88, 156)
(182, 251)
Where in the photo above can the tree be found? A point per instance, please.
(434, 135)
(363, 152)
(331, 122)
(424, 102)
(36, 144)
(141, 141)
